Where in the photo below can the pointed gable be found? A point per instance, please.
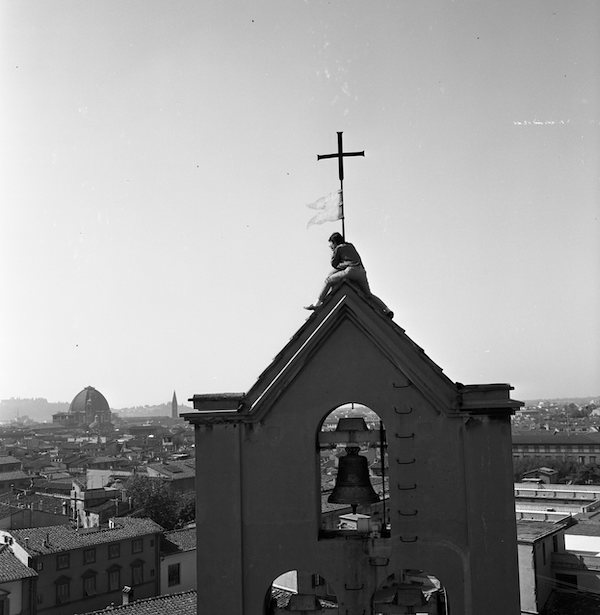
(350, 321)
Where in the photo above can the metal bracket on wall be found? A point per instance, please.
(408, 514)
(407, 487)
(413, 539)
(402, 437)
(409, 411)
(402, 386)
(405, 463)
(353, 589)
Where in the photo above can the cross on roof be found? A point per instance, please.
(340, 156)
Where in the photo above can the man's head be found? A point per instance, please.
(336, 239)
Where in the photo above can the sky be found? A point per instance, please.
(157, 158)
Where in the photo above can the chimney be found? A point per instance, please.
(127, 594)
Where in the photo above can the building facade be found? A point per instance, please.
(17, 585)
(579, 447)
(449, 473)
(178, 561)
(86, 569)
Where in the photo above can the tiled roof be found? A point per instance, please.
(55, 538)
(36, 501)
(8, 459)
(173, 604)
(104, 459)
(561, 438)
(14, 475)
(12, 569)
(183, 540)
(282, 597)
(530, 531)
(175, 469)
(591, 528)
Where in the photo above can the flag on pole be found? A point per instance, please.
(329, 208)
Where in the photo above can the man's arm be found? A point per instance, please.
(335, 257)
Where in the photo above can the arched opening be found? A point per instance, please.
(412, 592)
(354, 473)
(298, 592)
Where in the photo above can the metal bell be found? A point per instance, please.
(352, 484)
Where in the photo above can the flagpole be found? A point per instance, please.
(342, 208)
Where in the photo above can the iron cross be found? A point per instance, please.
(340, 156)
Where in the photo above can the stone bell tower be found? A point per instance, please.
(303, 509)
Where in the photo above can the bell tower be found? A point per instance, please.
(355, 478)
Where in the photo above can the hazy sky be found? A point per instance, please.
(157, 158)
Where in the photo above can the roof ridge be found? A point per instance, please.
(145, 601)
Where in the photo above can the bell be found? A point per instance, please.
(352, 484)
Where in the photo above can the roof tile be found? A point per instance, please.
(56, 538)
(173, 604)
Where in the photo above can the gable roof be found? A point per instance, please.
(414, 367)
(179, 540)
(56, 538)
(172, 604)
(559, 438)
(174, 470)
(11, 568)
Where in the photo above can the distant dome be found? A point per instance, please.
(90, 403)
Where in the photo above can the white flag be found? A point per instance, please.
(329, 208)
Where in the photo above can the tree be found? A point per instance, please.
(186, 508)
(155, 498)
(566, 468)
(588, 474)
(164, 506)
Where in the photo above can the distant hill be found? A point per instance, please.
(37, 409)
(156, 410)
(40, 409)
(578, 401)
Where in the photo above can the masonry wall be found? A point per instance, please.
(527, 581)
(268, 474)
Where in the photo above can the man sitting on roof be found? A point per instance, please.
(347, 265)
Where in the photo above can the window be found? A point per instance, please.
(555, 542)
(4, 609)
(39, 566)
(592, 458)
(137, 572)
(89, 583)
(62, 561)
(137, 545)
(581, 459)
(114, 578)
(89, 556)
(63, 590)
(114, 550)
(174, 574)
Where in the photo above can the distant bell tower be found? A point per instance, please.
(355, 478)
(174, 407)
